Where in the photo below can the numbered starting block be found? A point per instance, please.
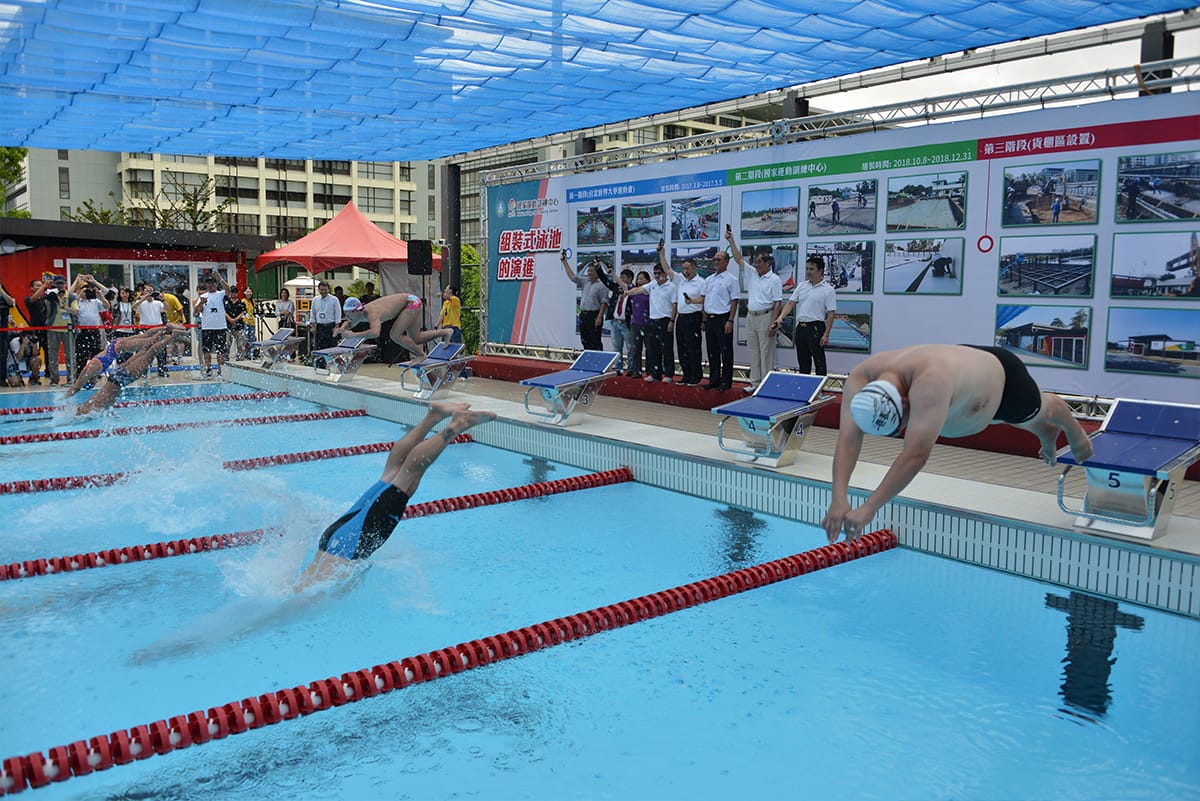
(281, 347)
(342, 362)
(566, 390)
(1143, 449)
(437, 373)
(775, 419)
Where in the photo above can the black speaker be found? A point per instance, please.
(420, 257)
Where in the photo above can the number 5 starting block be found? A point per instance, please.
(1143, 449)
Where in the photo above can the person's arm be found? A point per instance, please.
(600, 314)
(644, 289)
(221, 280)
(8, 299)
(828, 327)
(562, 256)
(78, 284)
(662, 257)
(374, 324)
(734, 251)
(787, 308)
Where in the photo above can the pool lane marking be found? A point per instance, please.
(154, 402)
(163, 736)
(52, 565)
(93, 433)
(108, 479)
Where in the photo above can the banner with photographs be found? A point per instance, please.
(1055, 212)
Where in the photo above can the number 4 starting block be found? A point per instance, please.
(1143, 449)
(775, 419)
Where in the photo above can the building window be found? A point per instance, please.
(433, 232)
(235, 187)
(331, 167)
(140, 217)
(142, 156)
(729, 122)
(331, 196)
(230, 161)
(185, 159)
(432, 207)
(284, 192)
(644, 136)
(405, 231)
(240, 223)
(405, 205)
(64, 212)
(674, 132)
(376, 200)
(381, 170)
(286, 228)
(63, 155)
(431, 177)
(178, 185)
(64, 183)
(139, 183)
(284, 164)
(387, 226)
(404, 173)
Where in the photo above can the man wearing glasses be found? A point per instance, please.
(764, 296)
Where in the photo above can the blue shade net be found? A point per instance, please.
(377, 80)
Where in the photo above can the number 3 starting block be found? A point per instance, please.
(1143, 449)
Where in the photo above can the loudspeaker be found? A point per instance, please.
(420, 257)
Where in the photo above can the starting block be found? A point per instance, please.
(438, 371)
(566, 390)
(342, 362)
(1143, 449)
(775, 419)
(279, 348)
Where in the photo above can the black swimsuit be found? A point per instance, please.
(1022, 399)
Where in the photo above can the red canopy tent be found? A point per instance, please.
(348, 239)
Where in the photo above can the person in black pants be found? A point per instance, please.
(815, 302)
(689, 311)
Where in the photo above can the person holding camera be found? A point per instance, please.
(22, 356)
(88, 338)
(592, 305)
(150, 308)
(214, 324)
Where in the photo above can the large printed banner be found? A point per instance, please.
(1069, 236)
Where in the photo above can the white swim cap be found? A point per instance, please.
(877, 408)
(352, 305)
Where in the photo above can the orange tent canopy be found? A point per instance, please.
(348, 239)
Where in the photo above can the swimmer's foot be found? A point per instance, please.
(444, 409)
(1082, 450)
(466, 418)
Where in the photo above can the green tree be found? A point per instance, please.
(470, 293)
(12, 170)
(176, 205)
(90, 212)
(1080, 319)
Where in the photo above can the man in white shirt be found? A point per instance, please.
(660, 355)
(815, 301)
(721, 293)
(326, 314)
(214, 323)
(765, 295)
(88, 337)
(688, 317)
(149, 310)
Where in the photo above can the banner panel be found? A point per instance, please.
(1066, 235)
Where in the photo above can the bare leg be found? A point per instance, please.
(1053, 417)
(437, 412)
(87, 374)
(323, 567)
(426, 453)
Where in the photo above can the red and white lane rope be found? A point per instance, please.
(93, 433)
(154, 402)
(107, 479)
(163, 736)
(115, 556)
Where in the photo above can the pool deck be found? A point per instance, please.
(999, 485)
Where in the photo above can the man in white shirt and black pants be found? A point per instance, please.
(214, 324)
(764, 297)
(721, 291)
(326, 314)
(688, 318)
(815, 302)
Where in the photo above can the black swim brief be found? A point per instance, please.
(367, 525)
(1022, 399)
(120, 376)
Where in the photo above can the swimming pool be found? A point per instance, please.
(896, 675)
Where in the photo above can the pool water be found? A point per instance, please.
(899, 675)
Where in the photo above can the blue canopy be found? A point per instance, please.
(417, 79)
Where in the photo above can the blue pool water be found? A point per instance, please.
(899, 675)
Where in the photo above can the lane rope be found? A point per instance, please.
(51, 565)
(181, 731)
(153, 402)
(108, 479)
(93, 433)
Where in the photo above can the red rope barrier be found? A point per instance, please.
(162, 736)
(155, 402)
(93, 433)
(105, 479)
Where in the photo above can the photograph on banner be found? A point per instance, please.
(1045, 336)
(638, 259)
(842, 208)
(770, 213)
(1159, 265)
(1047, 265)
(849, 266)
(701, 254)
(1158, 187)
(1158, 341)
(596, 225)
(930, 202)
(643, 222)
(923, 266)
(783, 264)
(851, 332)
(696, 218)
(1060, 193)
